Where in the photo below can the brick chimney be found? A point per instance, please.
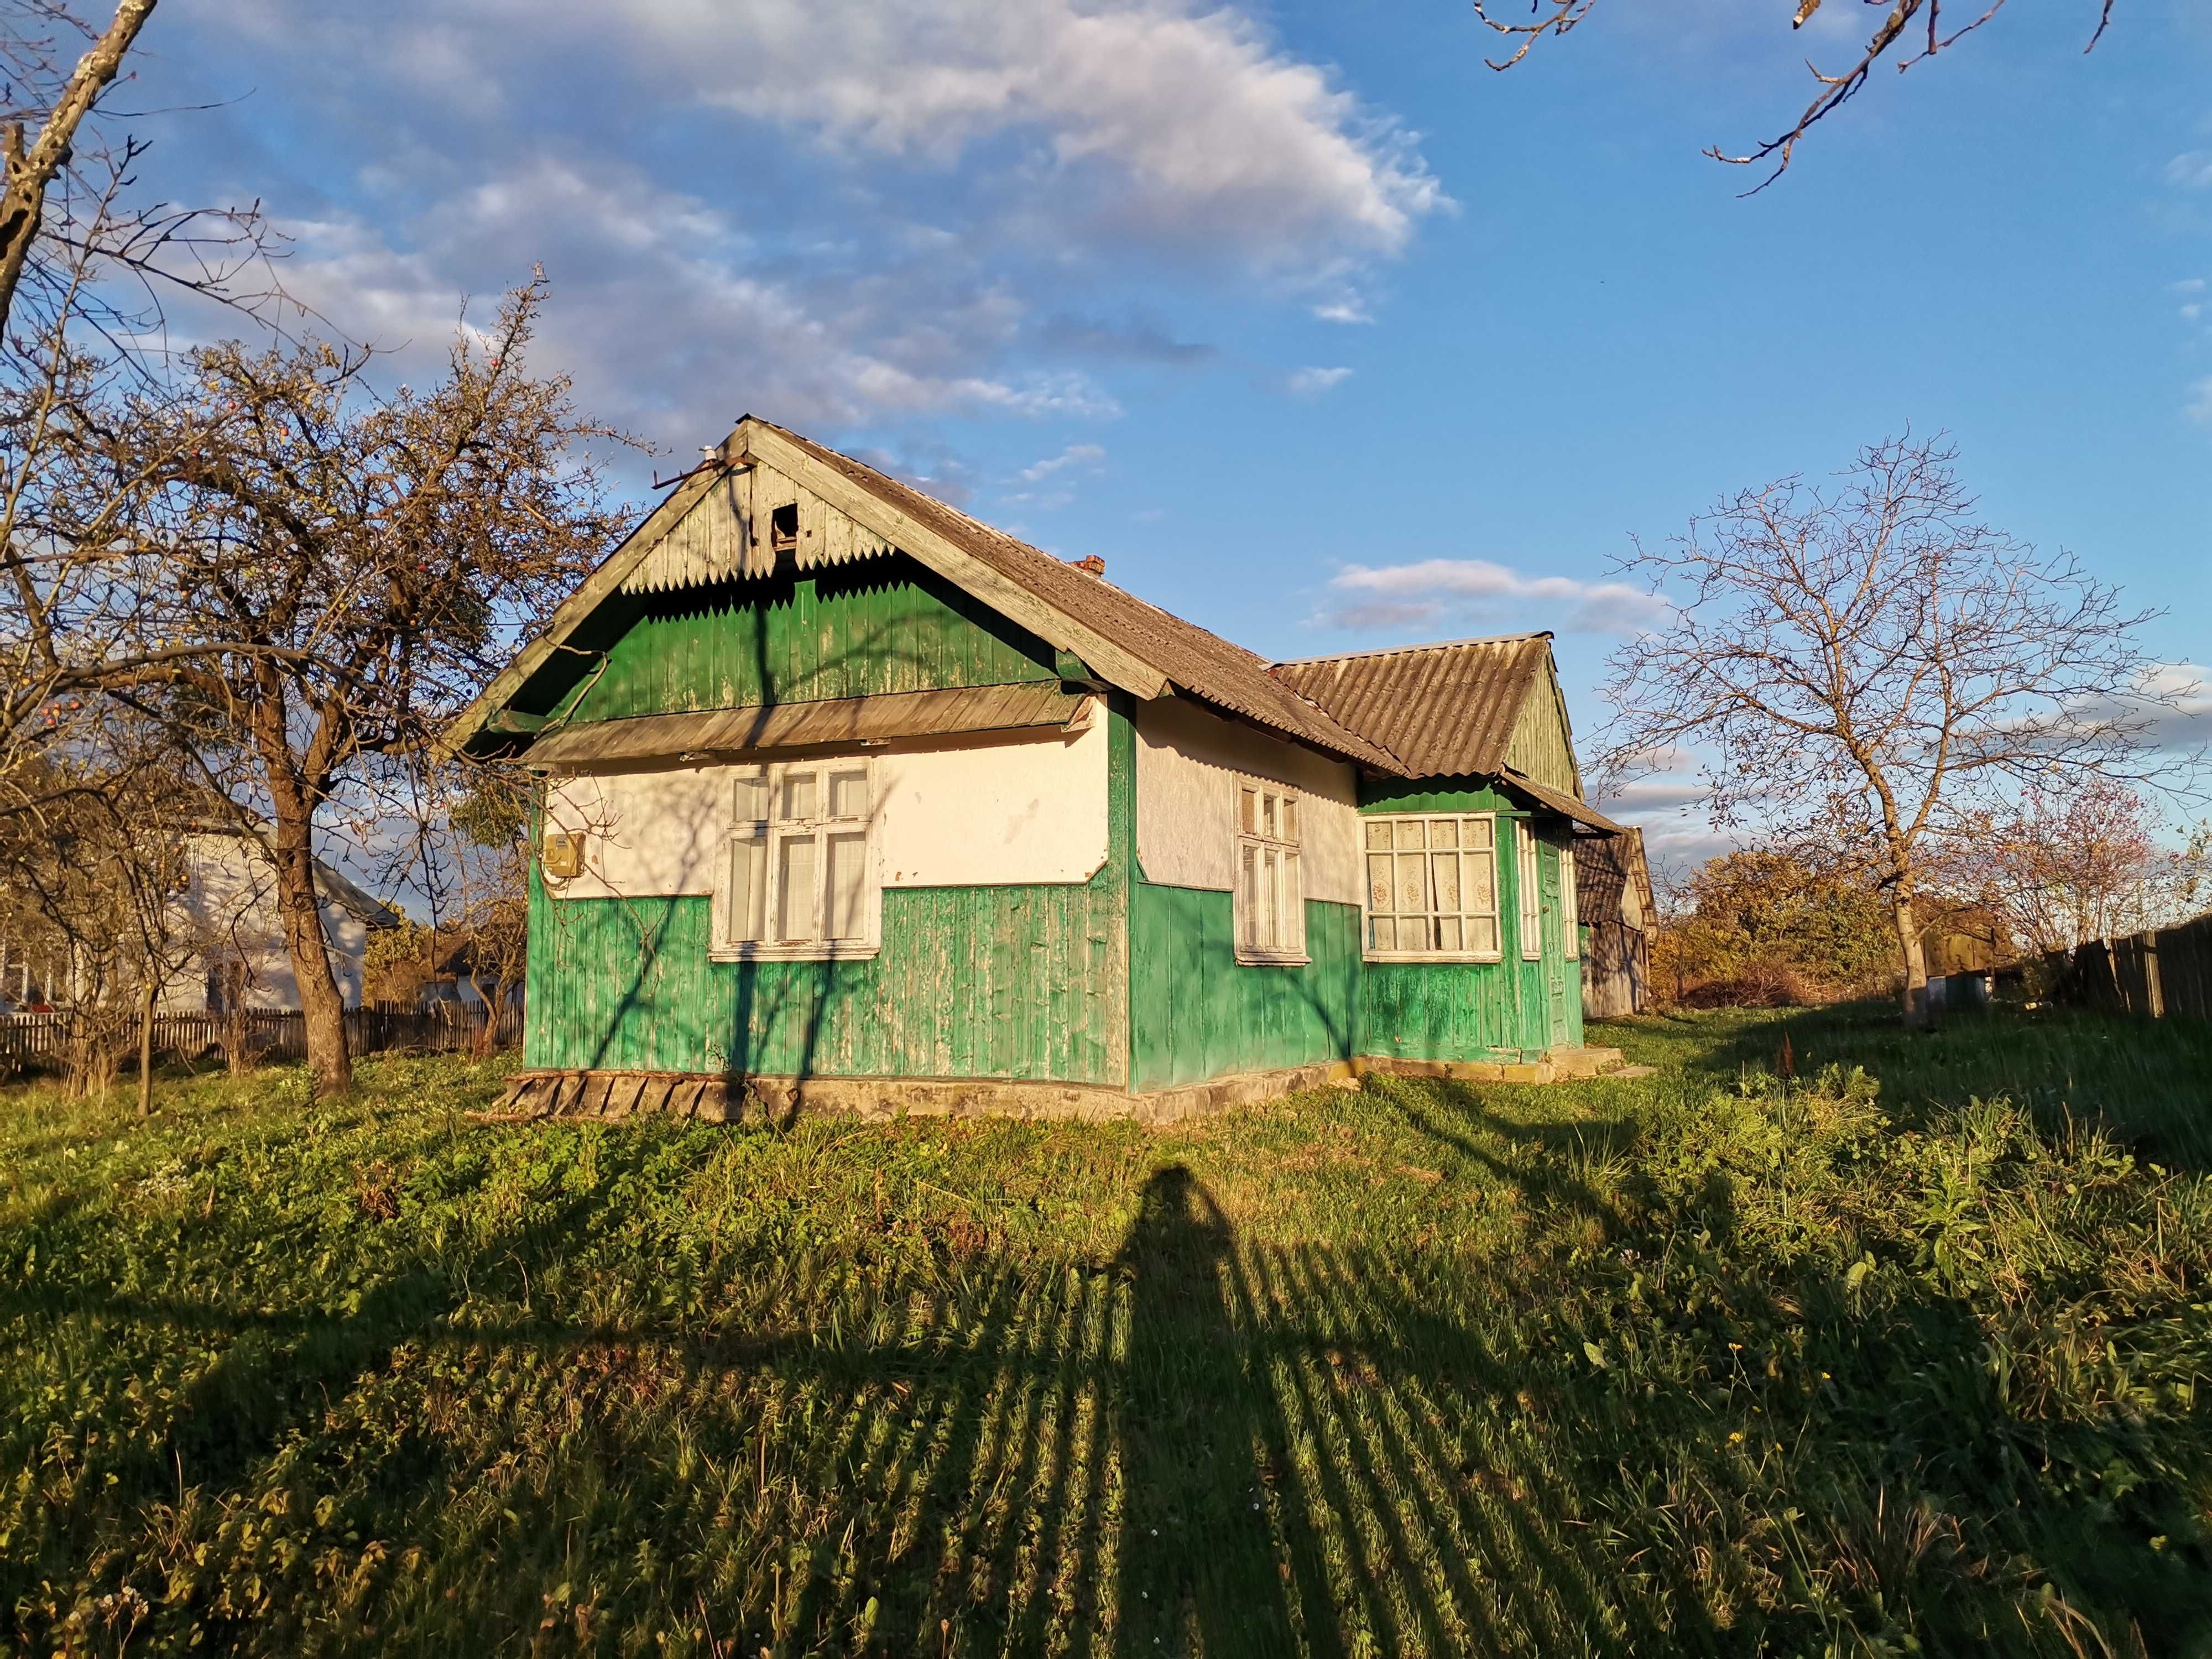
(1090, 566)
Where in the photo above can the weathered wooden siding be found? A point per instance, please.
(1542, 746)
(1026, 982)
(1197, 1012)
(1469, 1009)
(882, 624)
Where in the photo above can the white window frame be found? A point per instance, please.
(1528, 879)
(1570, 919)
(765, 823)
(1469, 844)
(1268, 906)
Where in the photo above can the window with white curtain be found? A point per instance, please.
(1531, 895)
(1271, 900)
(795, 875)
(1432, 886)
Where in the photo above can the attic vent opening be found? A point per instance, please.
(783, 528)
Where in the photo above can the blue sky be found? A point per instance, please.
(1321, 333)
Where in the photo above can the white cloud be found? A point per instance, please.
(1073, 455)
(2187, 285)
(1312, 382)
(658, 317)
(1400, 595)
(2199, 406)
(2192, 170)
(836, 211)
(1351, 309)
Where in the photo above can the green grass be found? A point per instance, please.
(1710, 1362)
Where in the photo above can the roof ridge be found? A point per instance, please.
(1324, 729)
(1425, 645)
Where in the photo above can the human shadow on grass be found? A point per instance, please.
(1205, 1445)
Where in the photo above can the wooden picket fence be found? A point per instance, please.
(268, 1037)
(2163, 975)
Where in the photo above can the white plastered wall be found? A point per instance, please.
(226, 912)
(991, 810)
(1189, 761)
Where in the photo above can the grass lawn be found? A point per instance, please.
(1908, 1358)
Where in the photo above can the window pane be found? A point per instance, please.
(1289, 817)
(1482, 935)
(798, 795)
(1271, 924)
(847, 887)
(751, 799)
(1413, 885)
(1409, 832)
(1267, 815)
(1379, 885)
(1248, 889)
(1481, 832)
(1443, 832)
(794, 909)
(849, 794)
(1481, 877)
(1378, 832)
(1385, 934)
(1247, 810)
(1448, 933)
(748, 887)
(1443, 871)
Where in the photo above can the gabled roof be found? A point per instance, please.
(1120, 638)
(1443, 710)
(1435, 710)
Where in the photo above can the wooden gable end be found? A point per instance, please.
(745, 523)
(1543, 746)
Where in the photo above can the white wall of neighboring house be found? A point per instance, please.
(227, 914)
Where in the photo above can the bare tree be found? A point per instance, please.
(1864, 666)
(2064, 866)
(344, 572)
(1903, 21)
(30, 170)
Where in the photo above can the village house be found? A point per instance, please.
(852, 797)
(226, 919)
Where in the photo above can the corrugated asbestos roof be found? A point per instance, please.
(1443, 710)
(1195, 660)
(1421, 711)
(806, 725)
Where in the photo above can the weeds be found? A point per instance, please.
(1878, 1356)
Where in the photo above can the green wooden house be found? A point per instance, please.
(848, 795)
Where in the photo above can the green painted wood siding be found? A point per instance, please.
(1026, 982)
(1469, 1009)
(878, 625)
(1197, 1012)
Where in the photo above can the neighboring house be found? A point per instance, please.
(1618, 916)
(226, 917)
(844, 784)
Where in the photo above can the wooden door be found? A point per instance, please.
(1555, 954)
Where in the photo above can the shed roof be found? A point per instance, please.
(1607, 870)
(1443, 710)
